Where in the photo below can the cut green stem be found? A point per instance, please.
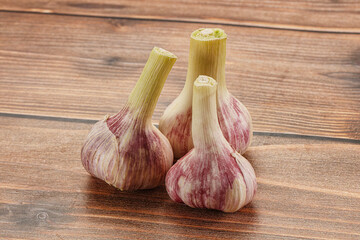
(143, 98)
(207, 56)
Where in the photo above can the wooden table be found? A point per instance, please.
(66, 63)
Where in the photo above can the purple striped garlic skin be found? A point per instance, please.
(235, 122)
(126, 150)
(126, 154)
(206, 57)
(177, 129)
(212, 175)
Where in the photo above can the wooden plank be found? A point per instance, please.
(338, 16)
(307, 189)
(78, 67)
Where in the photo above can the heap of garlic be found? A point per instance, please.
(126, 150)
(205, 122)
(212, 175)
(206, 57)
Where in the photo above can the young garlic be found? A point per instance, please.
(206, 57)
(126, 150)
(212, 175)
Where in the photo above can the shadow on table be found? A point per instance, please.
(154, 210)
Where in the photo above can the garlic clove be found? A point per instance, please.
(101, 138)
(206, 57)
(235, 122)
(175, 124)
(126, 150)
(212, 175)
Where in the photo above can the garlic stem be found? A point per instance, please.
(205, 125)
(143, 98)
(212, 174)
(207, 57)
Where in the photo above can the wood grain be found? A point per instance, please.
(323, 15)
(79, 67)
(307, 189)
(66, 63)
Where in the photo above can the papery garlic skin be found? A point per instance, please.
(206, 57)
(126, 150)
(212, 175)
(235, 122)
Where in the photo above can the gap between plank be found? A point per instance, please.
(248, 24)
(93, 121)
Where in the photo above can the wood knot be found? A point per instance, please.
(42, 216)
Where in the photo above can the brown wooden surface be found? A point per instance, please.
(294, 64)
(80, 67)
(307, 189)
(321, 15)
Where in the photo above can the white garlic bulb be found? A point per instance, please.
(212, 175)
(126, 150)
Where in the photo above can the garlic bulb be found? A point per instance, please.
(212, 175)
(206, 57)
(126, 150)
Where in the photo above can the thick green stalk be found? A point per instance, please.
(144, 96)
(207, 56)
